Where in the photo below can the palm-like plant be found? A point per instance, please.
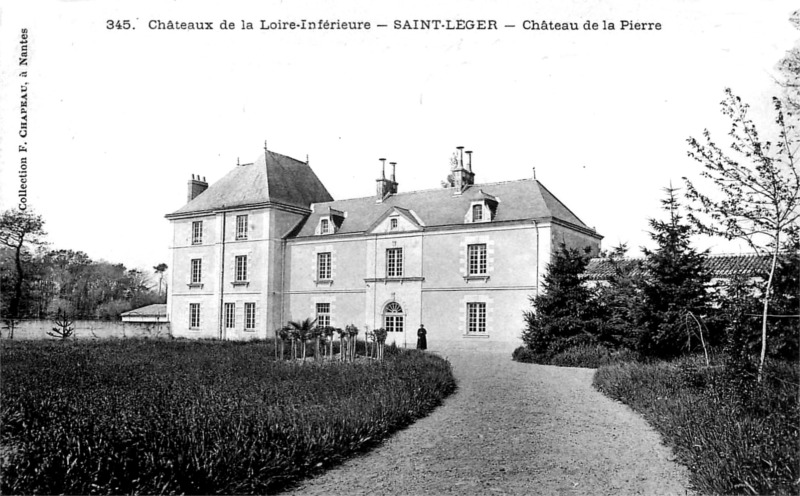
(342, 334)
(303, 329)
(283, 334)
(316, 334)
(328, 332)
(368, 337)
(352, 332)
(380, 339)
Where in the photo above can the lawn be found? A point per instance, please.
(152, 416)
(736, 436)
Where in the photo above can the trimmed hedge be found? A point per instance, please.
(196, 417)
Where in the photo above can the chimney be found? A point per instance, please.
(196, 186)
(386, 187)
(463, 177)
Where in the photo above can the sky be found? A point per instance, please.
(118, 120)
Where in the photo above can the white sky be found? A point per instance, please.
(119, 120)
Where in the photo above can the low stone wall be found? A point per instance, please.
(89, 329)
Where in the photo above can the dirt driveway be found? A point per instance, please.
(514, 428)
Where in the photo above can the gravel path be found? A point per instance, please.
(514, 428)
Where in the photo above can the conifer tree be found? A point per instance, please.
(675, 283)
(560, 317)
(619, 302)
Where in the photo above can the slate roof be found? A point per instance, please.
(517, 200)
(155, 310)
(721, 266)
(272, 178)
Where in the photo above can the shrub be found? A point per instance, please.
(582, 355)
(526, 355)
(561, 314)
(591, 356)
(196, 417)
(737, 436)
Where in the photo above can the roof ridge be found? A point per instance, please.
(266, 170)
(435, 189)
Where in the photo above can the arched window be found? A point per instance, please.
(393, 317)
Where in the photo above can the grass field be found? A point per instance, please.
(735, 435)
(139, 416)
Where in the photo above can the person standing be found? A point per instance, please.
(422, 341)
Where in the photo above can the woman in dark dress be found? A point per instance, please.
(422, 341)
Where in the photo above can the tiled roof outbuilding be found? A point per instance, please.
(722, 266)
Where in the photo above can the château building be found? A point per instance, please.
(267, 244)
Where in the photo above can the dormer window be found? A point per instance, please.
(330, 220)
(482, 208)
(477, 213)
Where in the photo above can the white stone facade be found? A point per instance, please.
(398, 262)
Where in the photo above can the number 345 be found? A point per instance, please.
(111, 24)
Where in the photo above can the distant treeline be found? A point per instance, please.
(71, 281)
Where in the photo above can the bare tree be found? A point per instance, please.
(759, 186)
(18, 228)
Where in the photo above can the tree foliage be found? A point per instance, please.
(755, 188)
(160, 269)
(19, 230)
(789, 68)
(561, 316)
(620, 301)
(676, 283)
(36, 282)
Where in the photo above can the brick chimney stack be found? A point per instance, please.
(196, 186)
(386, 187)
(463, 177)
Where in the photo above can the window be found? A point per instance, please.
(241, 227)
(230, 315)
(477, 213)
(393, 223)
(241, 268)
(324, 225)
(249, 316)
(476, 255)
(197, 272)
(476, 318)
(323, 266)
(394, 262)
(393, 317)
(197, 232)
(194, 315)
(323, 314)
